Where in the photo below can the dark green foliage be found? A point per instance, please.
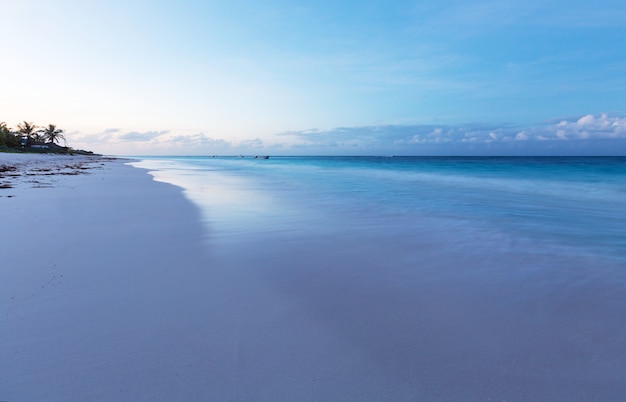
(28, 139)
(43, 141)
(52, 134)
(27, 129)
(8, 138)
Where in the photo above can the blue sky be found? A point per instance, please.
(319, 77)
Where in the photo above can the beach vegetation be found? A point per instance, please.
(8, 138)
(30, 138)
(52, 134)
(27, 129)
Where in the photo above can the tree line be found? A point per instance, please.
(28, 134)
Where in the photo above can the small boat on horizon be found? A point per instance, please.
(262, 157)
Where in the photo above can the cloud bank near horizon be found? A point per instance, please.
(602, 134)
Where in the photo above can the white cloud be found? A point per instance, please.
(586, 120)
(588, 131)
(196, 140)
(588, 127)
(141, 136)
(591, 126)
(521, 136)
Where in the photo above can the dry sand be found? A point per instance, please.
(101, 275)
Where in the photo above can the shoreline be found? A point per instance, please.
(100, 273)
(115, 285)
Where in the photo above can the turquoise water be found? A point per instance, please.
(570, 202)
(420, 278)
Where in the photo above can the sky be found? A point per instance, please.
(452, 77)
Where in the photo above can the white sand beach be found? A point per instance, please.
(109, 292)
(114, 288)
(100, 278)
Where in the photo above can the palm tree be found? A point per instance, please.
(52, 134)
(27, 130)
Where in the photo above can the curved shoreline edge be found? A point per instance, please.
(115, 286)
(100, 273)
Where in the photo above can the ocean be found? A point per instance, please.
(448, 278)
